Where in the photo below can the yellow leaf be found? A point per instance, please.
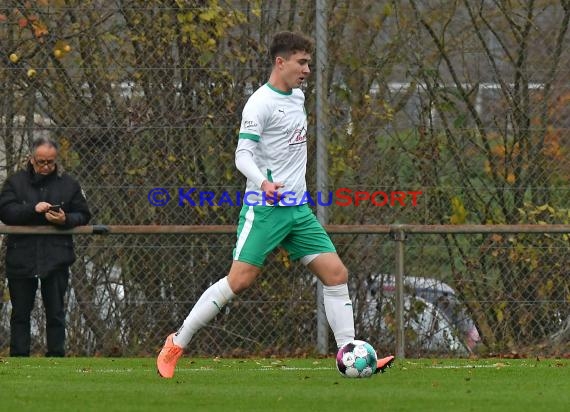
(208, 15)
(458, 212)
(549, 285)
(500, 315)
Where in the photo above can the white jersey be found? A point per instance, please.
(277, 121)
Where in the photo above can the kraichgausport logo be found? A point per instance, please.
(342, 197)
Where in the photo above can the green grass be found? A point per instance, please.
(119, 384)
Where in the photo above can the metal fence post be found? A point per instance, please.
(399, 237)
(322, 158)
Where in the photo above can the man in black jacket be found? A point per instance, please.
(40, 195)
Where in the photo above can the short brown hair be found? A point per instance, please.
(285, 43)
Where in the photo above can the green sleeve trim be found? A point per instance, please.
(249, 136)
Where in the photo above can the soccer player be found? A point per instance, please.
(272, 154)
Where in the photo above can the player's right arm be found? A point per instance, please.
(255, 116)
(245, 162)
(246, 165)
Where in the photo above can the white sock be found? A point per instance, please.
(340, 316)
(208, 306)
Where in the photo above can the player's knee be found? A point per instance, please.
(338, 276)
(342, 276)
(242, 276)
(240, 285)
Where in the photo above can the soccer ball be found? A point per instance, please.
(356, 359)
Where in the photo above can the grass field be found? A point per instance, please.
(119, 384)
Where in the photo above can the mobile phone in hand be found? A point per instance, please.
(55, 208)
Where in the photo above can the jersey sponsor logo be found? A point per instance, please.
(299, 136)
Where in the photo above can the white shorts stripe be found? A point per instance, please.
(249, 216)
(305, 260)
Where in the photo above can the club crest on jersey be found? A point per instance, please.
(249, 124)
(299, 136)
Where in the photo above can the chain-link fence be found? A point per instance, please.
(463, 294)
(466, 103)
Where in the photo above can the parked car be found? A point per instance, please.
(435, 320)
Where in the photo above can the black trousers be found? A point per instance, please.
(22, 296)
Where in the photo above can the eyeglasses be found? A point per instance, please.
(43, 162)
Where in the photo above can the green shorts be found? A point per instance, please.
(262, 228)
